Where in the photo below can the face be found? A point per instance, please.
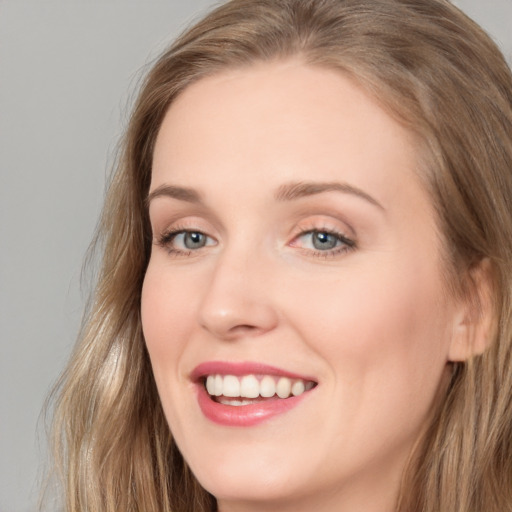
(293, 307)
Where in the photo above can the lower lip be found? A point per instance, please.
(244, 415)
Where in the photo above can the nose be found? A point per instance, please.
(237, 300)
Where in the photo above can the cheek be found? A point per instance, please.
(166, 314)
(383, 331)
(372, 310)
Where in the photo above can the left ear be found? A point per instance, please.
(474, 322)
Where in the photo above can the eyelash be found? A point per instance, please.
(167, 237)
(347, 244)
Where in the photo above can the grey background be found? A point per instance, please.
(67, 68)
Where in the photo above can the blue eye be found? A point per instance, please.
(182, 241)
(325, 242)
(191, 239)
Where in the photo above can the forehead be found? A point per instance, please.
(282, 121)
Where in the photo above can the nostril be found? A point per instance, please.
(244, 330)
(244, 327)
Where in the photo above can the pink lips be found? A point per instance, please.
(244, 415)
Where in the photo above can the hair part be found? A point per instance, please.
(438, 74)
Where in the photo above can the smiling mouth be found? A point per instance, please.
(252, 389)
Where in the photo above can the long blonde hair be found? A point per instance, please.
(441, 76)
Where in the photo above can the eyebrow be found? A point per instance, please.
(186, 194)
(286, 192)
(297, 190)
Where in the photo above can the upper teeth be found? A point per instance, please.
(250, 386)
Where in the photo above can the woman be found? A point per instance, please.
(306, 287)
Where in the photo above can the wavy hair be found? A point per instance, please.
(442, 77)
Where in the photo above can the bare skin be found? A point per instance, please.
(339, 281)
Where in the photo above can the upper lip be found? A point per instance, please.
(242, 368)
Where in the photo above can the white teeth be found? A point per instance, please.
(283, 388)
(232, 401)
(230, 387)
(298, 388)
(210, 385)
(267, 387)
(249, 387)
(219, 385)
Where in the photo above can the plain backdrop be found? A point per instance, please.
(68, 69)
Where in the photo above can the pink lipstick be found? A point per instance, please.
(246, 394)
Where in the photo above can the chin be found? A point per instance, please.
(231, 478)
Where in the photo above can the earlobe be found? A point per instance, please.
(474, 322)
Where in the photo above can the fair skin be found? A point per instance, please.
(338, 285)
